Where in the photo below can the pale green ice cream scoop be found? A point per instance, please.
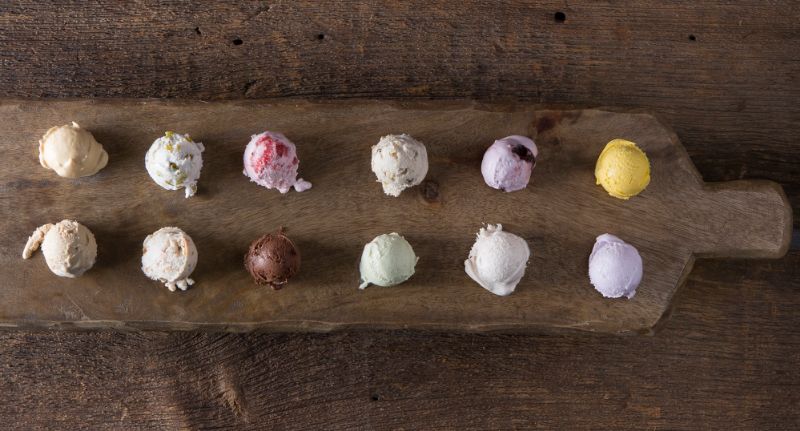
(387, 260)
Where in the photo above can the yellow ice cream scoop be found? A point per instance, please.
(622, 169)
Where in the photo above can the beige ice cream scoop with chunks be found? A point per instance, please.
(69, 247)
(71, 151)
(169, 256)
(399, 162)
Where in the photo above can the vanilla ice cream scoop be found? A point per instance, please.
(508, 163)
(69, 247)
(497, 260)
(615, 267)
(387, 260)
(174, 161)
(399, 162)
(169, 256)
(71, 151)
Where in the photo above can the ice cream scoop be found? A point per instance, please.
(69, 247)
(622, 169)
(169, 256)
(174, 161)
(508, 163)
(615, 267)
(71, 151)
(497, 260)
(272, 260)
(387, 260)
(399, 162)
(270, 160)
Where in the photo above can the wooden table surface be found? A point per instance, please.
(725, 76)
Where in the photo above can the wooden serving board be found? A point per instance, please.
(675, 220)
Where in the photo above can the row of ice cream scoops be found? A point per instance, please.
(497, 260)
(174, 161)
(169, 255)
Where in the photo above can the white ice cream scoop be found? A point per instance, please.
(615, 267)
(69, 247)
(169, 256)
(399, 162)
(497, 260)
(174, 161)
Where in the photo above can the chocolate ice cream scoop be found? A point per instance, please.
(272, 260)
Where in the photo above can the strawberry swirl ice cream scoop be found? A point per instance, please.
(270, 160)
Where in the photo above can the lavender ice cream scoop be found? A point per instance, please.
(615, 267)
(508, 163)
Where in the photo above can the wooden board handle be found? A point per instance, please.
(755, 220)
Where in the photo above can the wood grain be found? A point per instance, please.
(560, 215)
(727, 357)
(731, 86)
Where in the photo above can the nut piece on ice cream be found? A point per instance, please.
(399, 162)
(615, 267)
(497, 260)
(169, 256)
(270, 160)
(71, 151)
(387, 260)
(272, 260)
(69, 247)
(508, 163)
(174, 161)
(622, 169)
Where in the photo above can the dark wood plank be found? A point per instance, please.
(727, 357)
(730, 88)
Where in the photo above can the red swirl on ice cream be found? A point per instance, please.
(270, 160)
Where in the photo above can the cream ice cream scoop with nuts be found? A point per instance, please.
(497, 260)
(69, 247)
(71, 151)
(174, 161)
(169, 256)
(399, 162)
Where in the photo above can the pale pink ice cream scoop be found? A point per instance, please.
(270, 160)
(615, 267)
(508, 163)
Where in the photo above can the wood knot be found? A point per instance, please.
(430, 191)
(544, 124)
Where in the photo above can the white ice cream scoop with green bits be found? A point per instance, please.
(174, 161)
(387, 260)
